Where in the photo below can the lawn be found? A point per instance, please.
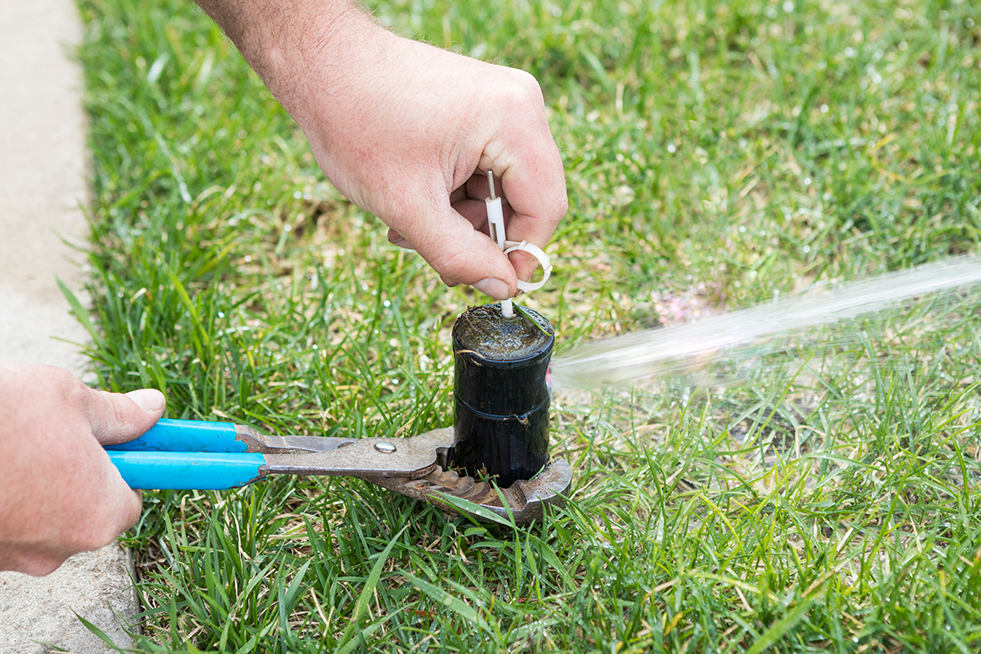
(718, 155)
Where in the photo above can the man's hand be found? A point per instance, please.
(59, 492)
(408, 131)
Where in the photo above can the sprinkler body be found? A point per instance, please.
(502, 400)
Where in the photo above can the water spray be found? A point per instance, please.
(683, 348)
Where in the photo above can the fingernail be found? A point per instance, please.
(400, 242)
(148, 399)
(494, 288)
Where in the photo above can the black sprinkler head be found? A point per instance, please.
(502, 400)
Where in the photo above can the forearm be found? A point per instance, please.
(282, 39)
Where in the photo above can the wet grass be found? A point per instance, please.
(717, 154)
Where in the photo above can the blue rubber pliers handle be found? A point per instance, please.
(195, 454)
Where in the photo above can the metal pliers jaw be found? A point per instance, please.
(190, 454)
(525, 500)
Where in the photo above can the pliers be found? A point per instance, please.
(193, 454)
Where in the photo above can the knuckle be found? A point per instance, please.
(68, 387)
(91, 538)
(119, 414)
(60, 376)
(560, 206)
(530, 85)
(522, 93)
(38, 565)
(99, 529)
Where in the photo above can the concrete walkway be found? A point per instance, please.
(42, 186)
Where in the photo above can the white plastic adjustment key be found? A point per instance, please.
(535, 251)
(495, 223)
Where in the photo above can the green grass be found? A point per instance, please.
(716, 154)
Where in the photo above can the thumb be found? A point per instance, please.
(461, 254)
(117, 418)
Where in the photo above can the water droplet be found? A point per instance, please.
(903, 45)
(807, 248)
(742, 229)
(788, 6)
(364, 287)
(287, 228)
(824, 108)
(248, 258)
(849, 52)
(221, 314)
(297, 195)
(807, 181)
(969, 23)
(671, 148)
(315, 346)
(386, 303)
